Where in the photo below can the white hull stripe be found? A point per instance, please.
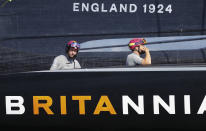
(132, 69)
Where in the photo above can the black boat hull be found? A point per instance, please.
(113, 84)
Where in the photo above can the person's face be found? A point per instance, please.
(72, 52)
(141, 49)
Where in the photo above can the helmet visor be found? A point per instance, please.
(75, 45)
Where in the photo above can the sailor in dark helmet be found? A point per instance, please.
(69, 61)
(137, 47)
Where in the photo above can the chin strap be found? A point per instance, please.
(74, 64)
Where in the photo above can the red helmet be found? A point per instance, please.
(136, 42)
(73, 44)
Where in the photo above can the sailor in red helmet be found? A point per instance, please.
(69, 61)
(137, 47)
